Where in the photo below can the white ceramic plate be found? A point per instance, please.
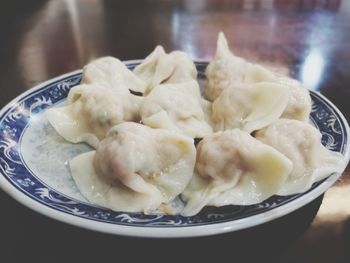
(34, 171)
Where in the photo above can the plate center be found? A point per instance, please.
(46, 155)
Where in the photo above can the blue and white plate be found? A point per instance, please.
(34, 171)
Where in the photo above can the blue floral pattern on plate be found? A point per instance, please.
(13, 123)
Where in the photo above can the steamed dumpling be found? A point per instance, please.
(233, 168)
(249, 106)
(226, 70)
(113, 73)
(207, 107)
(91, 111)
(299, 104)
(135, 168)
(176, 107)
(301, 143)
(160, 68)
(146, 70)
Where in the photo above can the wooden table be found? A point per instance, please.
(308, 39)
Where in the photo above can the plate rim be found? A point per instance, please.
(167, 232)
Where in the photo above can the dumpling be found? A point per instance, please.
(146, 70)
(113, 73)
(91, 111)
(207, 107)
(226, 70)
(249, 106)
(233, 168)
(176, 107)
(181, 65)
(160, 68)
(301, 143)
(135, 168)
(299, 104)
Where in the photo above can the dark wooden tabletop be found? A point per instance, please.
(308, 39)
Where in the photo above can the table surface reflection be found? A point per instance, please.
(307, 39)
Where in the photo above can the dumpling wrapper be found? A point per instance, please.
(136, 168)
(207, 107)
(249, 106)
(91, 111)
(226, 70)
(161, 68)
(233, 168)
(147, 69)
(110, 194)
(301, 143)
(112, 73)
(299, 104)
(176, 107)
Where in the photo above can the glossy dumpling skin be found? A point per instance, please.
(301, 143)
(91, 111)
(135, 168)
(249, 107)
(176, 107)
(161, 68)
(233, 168)
(112, 73)
(226, 69)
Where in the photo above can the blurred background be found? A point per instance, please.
(307, 39)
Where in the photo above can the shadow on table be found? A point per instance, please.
(27, 236)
